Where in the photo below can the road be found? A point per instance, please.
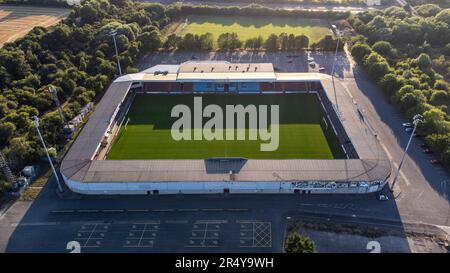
(233, 223)
(286, 6)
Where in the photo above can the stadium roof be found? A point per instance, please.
(372, 165)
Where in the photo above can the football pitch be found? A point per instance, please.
(253, 26)
(302, 132)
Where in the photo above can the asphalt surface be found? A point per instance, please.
(232, 223)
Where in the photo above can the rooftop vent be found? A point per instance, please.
(212, 69)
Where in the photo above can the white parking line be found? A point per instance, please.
(88, 210)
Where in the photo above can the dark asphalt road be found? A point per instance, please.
(213, 223)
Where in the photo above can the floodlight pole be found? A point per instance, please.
(416, 121)
(36, 123)
(113, 34)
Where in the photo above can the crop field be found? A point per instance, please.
(16, 21)
(251, 26)
(302, 133)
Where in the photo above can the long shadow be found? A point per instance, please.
(51, 222)
(437, 177)
(255, 21)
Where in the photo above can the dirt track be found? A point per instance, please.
(16, 21)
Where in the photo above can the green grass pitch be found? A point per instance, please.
(250, 27)
(302, 133)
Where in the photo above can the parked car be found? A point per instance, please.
(194, 57)
(435, 161)
(310, 59)
(427, 151)
(423, 146)
(290, 61)
(407, 124)
(383, 197)
(312, 64)
(408, 129)
(322, 69)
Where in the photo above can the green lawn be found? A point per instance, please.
(147, 136)
(251, 26)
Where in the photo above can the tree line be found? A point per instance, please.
(231, 41)
(399, 51)
(255, 10)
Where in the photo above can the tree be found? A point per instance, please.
(441, 85)
(439, 97)
(423, 61)
(360, 51)
(254, 43)
(7, 130)
(284, 41)
(382, 47)
(438, 142)
(327, 43)
(229, 41)
(301, 42)
(272, 42)
(20, 151)
(88, 14)
(206, 41)
(428, 10)
(444, 16)
(390, 83)
(434, 121)
(296, 243)
(172, 41)
(150, 40)
(376, 65)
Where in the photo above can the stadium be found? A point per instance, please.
(325, 143)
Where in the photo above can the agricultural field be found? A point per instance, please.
(148, 132)
(16, 21)
(250, 27)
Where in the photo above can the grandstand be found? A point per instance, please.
(361, 166)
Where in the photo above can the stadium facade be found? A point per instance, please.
(365, 169)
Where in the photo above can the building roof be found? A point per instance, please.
(200, 71)
(224, 67)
